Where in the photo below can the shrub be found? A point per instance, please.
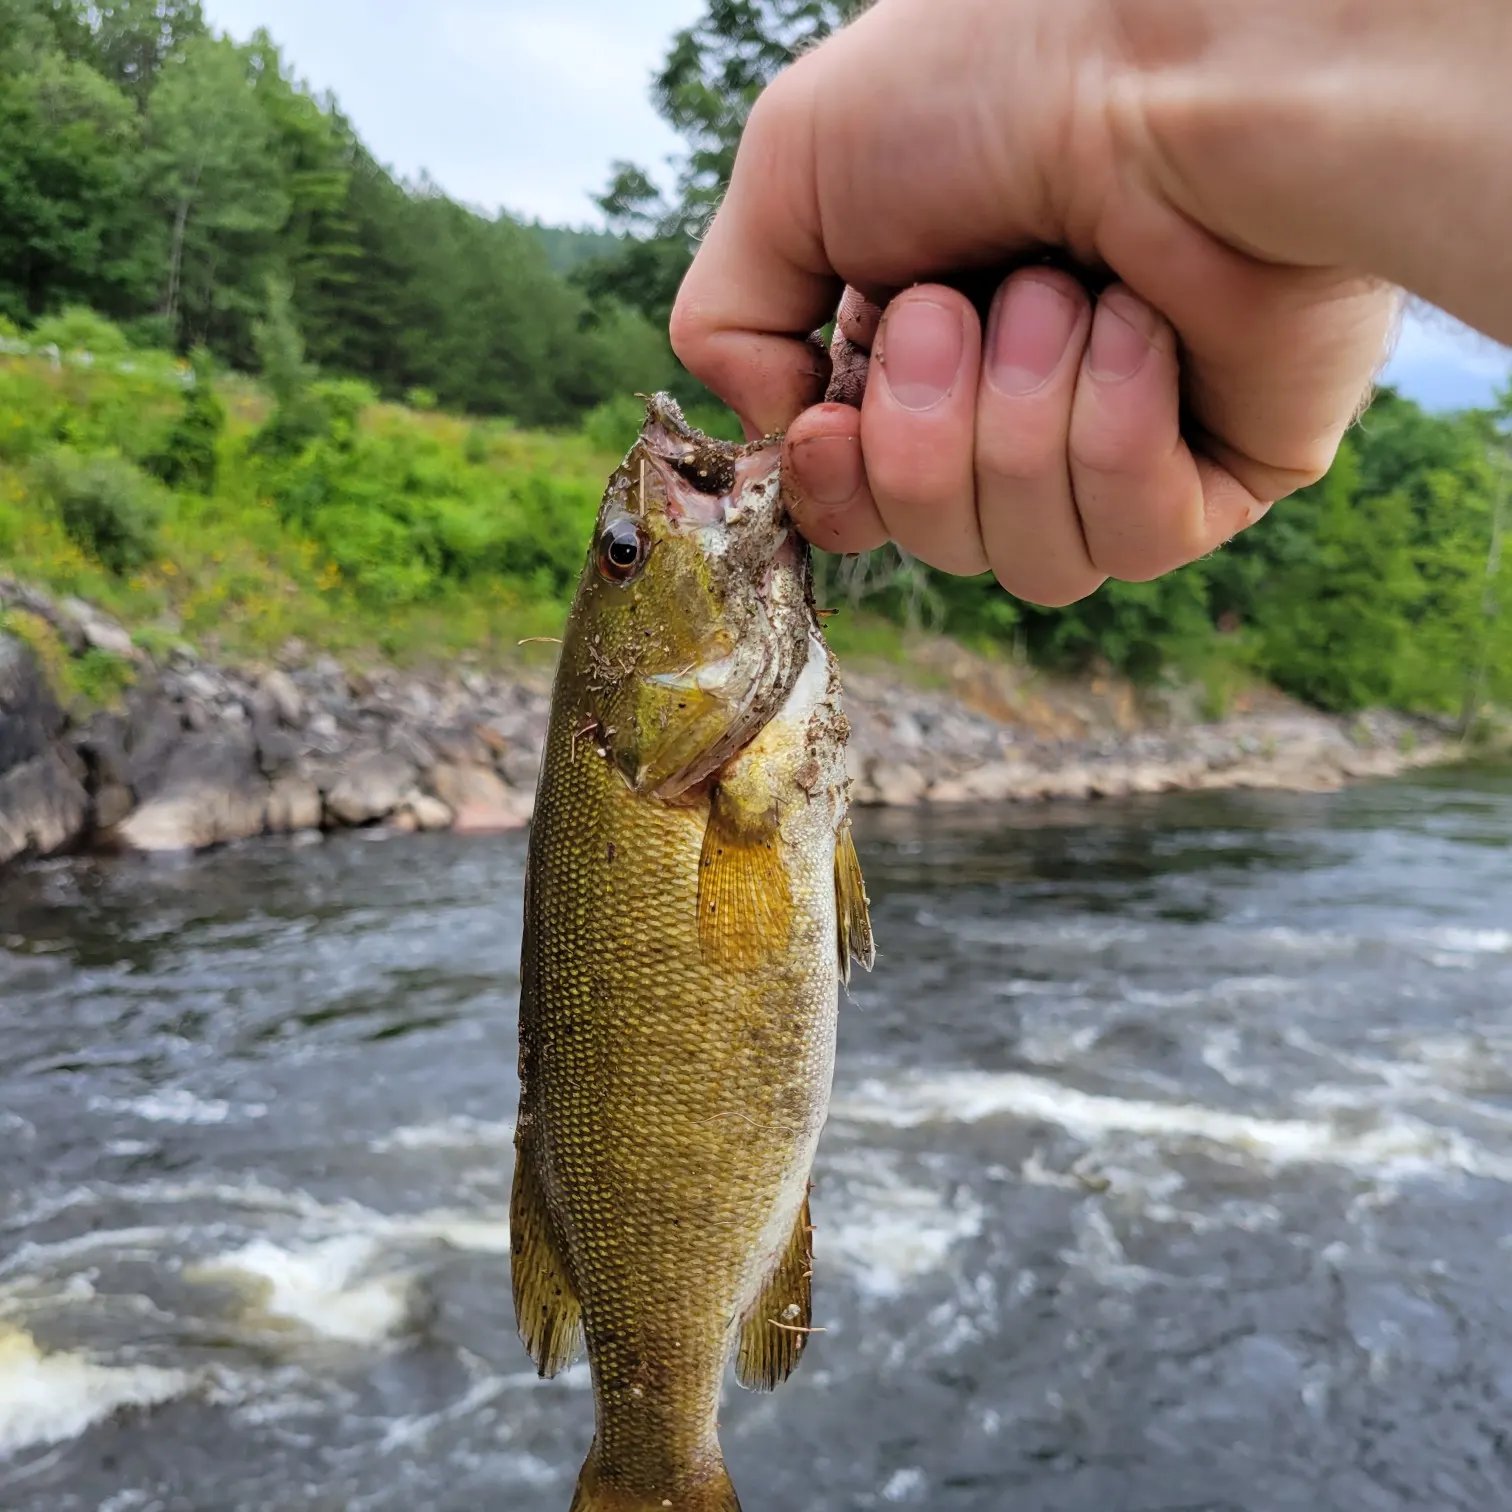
(77, 329)
(108, 508)
(188, 457)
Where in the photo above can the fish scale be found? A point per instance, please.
(686, 928)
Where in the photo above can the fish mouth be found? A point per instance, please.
(732, 498)
(708, 482)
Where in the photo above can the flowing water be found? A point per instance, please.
(1170, 1167)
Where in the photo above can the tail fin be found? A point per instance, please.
(712, 1493)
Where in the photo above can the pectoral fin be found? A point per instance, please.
(852, 909)
(745, 906)
(547, 1311)
(774, 1332)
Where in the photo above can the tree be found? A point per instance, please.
(71, 228)
(217, 176)
(712, 76)
(128, 41)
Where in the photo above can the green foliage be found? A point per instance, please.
(164, 175)
(189, 458)
(401, 517)
(708, 83)
(94, 678)
(100, 678)
(78, 329)
(108, 508)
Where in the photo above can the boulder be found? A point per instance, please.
(898, 784)
(479, 799)
(155, 731)
(279, 694)
(429, 813)
(210, 794)
(99, 630)
(112, 803)
(43, 807)
(30, 719)
(371, 788)
(294, 805)
(101, 742)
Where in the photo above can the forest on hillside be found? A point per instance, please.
(169, 190)
(163, 176)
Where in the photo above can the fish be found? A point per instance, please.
(693, 904)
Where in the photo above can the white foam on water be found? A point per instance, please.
(1397, 1146)
(887, 1232)
(459, 1133)
(177, 1105)
(329, 1288)
(1100, 1253)
(49, 1398)
(906, 1485)
(1469, 941)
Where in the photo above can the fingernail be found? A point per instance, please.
(1122, 333)
(827, 469)
(922, 345)
(1031, 328)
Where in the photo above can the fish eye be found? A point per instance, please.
(622, 550)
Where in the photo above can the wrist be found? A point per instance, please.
(1361, 134)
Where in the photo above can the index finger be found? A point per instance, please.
(762, 282)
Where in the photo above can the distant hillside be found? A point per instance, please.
(568, 248)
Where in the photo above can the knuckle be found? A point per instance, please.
(1111, 451)
(689, 330)
(1017, 455)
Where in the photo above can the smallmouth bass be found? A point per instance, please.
(692, 901)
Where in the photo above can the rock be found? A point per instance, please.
(372, 788)
(280, 696)
(294, 805)
(99, 630)
(897, 784)
(412, 747)
(155, 730)
(210, 794)
(102, 744)
(520, 765)
(277, 749)
(112, 803)
(43, 807)
(30, 719)
(404, 822)
(481, 802)
(460, 747)
(429, 813)
(996, 782)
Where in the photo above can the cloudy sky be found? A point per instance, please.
(524, 103)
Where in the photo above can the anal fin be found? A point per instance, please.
(852, 908)
(547, 1311)
(745, 905)
(776, 1329)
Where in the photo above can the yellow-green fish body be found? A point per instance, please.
(692, 898)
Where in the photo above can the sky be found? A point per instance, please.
(524, 104)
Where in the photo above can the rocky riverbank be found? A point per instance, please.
(194, 755)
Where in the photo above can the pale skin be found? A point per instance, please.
(1260, 180)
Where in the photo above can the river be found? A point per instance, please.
(1169, 1170)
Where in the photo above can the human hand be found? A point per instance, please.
(1075, 438)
